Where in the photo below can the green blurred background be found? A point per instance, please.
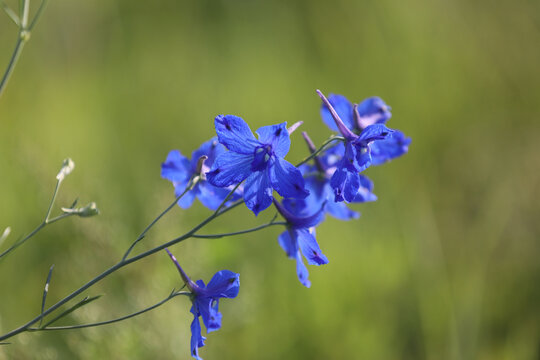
(445, 265)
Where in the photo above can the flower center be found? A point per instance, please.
(263, 153)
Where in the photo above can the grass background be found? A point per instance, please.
(443, 266)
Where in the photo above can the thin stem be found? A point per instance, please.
(82, 326)
(37, 15)
(323, 147)
(12, 62)
(44, 223)
(24, 15)
(189, 187)
(229, 195)
(217, 236)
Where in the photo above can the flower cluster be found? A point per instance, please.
(237, 165)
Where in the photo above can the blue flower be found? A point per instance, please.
(317, 178)
(258, 161)
(299, 238)
(356, 118)
(205, 300)
(357, 155)
(179, 170)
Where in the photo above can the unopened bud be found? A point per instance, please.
(294, 126)
(5, 234)
(67, 168)
(86, 211)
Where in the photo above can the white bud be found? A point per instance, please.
(67, 168)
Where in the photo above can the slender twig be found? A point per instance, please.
(87, 300)
(217, 236)
(82, 326)
(188, 188)
(44, 223)
(37, 15)
(229, 195)
(45, 292)
(323, 147)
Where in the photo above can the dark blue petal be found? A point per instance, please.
(187, 200)
(235, 134)
(197, 340)
(345, 184)
(211, 196)
(258, 192)
(286, 179)
(343, 108)
(176, 168)
(224, 283)
(230, 168)
(208, 308)
(277, 136)
(373, 110)
(372, 133)
(392, 147)
(333, 155)
(309, 247)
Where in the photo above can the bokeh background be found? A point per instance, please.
(445, 265)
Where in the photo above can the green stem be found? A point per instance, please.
(82, 326)
(189, 187)
(217, 236)
(323, 147)
(13, 61)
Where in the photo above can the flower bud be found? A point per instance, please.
(87, 211)
(67, 168)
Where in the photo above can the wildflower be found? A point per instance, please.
(299, 238)
(205, 301)
(180, 170)
(258, 161)
(356, 118)
(357, 156)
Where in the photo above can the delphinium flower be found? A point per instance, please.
(299, 237)
(357, 155)
(317, 178)
(357, 117)
(205, 301)
(179, 170)
(258, 161)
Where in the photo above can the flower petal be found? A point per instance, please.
(211, 148)
(373, 110)
(229, 168)
(224, 283)
(365, 190)
(390, 148)
(290, 246)
(176, 167)
(197, 340)
(309, 247)
(258, 192)
(343, 108)
(211, 196)
(277, 136)
(187, 200)
(235, 134)
(286, 179)
(208, 308)
(372, 133)
(340, 211)
(345, 184)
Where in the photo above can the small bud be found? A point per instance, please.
(200, 165)
(67, 168)
(87, 211)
